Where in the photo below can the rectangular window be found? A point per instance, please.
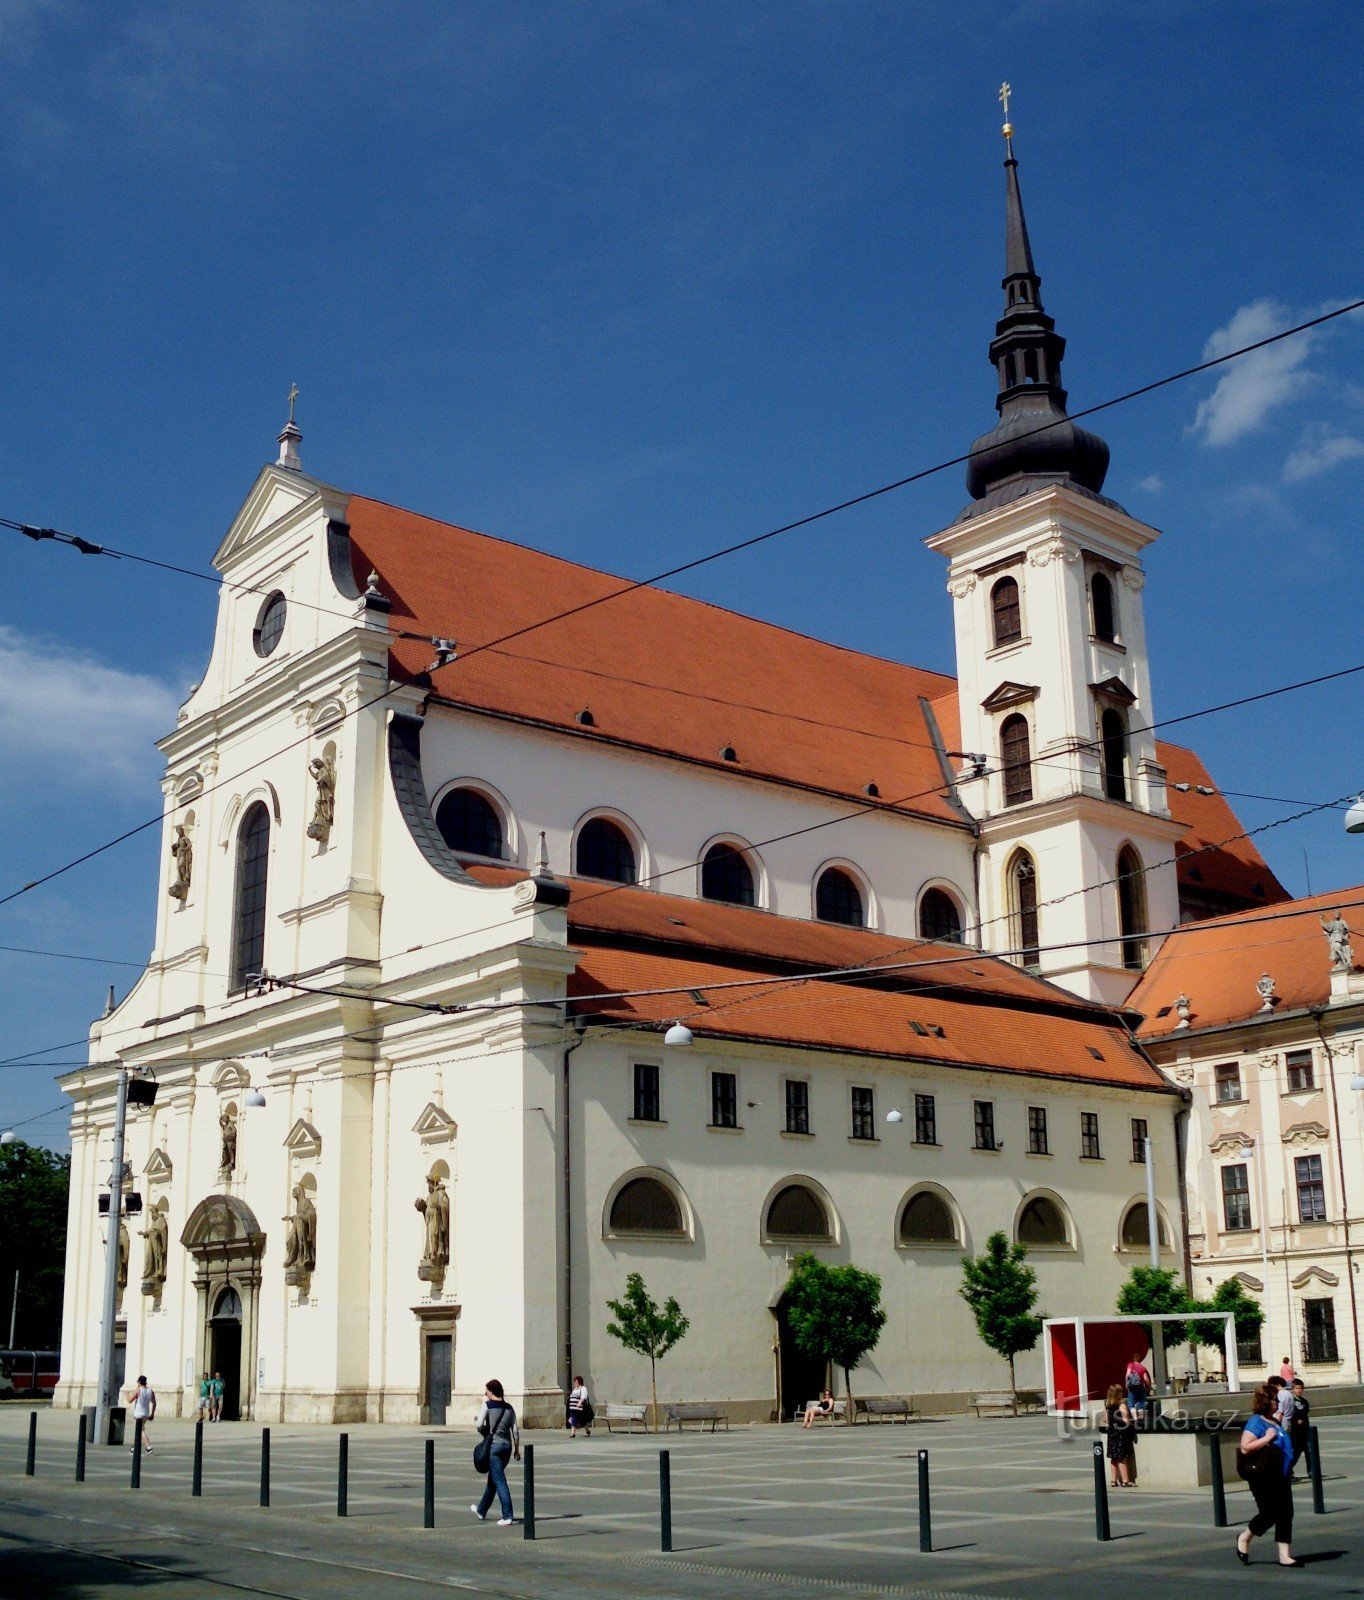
(925, 1119)
(1311, 1189)
(1319, 1331)
(1227, 1081)
(1139, 1137)
(1089, 1135)
(1236, 1198)
(1037, 1130)
(646, 1092)
(1300, 1074)
(863, 1114)
(985, 1125)
(1248, 1350)
(797, 1106)
(724, 1100)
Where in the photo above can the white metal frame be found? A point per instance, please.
(1081, 1407)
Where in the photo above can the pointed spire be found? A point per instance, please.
(289, 438)
(542, 859)
(110, 1005)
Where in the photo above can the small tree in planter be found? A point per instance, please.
(1001, 1292)
(835, 1314)
(642, 1327)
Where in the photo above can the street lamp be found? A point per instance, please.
(10, 1137)
(1354, 817)
(894, 1117)
(679, 1035)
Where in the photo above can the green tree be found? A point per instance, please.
(33, 1191)
(834, 1313)
(1001, 1290)
(1157, 1292)
(1229, 1295)
(642, 1327)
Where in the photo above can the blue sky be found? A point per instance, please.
(626, 281)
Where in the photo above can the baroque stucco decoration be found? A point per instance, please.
(1305, 1133)
(435, 1125)
(1229, 1143)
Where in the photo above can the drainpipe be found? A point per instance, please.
(1318, 1012)
(565, 1128)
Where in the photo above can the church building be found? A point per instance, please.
(520, 929)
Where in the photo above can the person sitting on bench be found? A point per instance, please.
(822, 1407)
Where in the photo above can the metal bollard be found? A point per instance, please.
(1102, 1531)
(1314, 1467)
(342, 1474)
(1219, 1487)
(196, 1487)
(31, 1460)
(80, 1452)
(665, 1502)
(528, 1495)
(925, 1514)
(429, 1500)
(135, 1482)
(265, 1466)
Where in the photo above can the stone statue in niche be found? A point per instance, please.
(227, 1161)
(323, 770)
(156, 1236)
(182, 853)
(300, 1246)
(435, 1207)
(1337, 932)
(124, 1245)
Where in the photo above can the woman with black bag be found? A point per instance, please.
(500, 1442)
(580, 1410)
(1264, 1459)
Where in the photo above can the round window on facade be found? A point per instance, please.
(269, 625)
(470, 825)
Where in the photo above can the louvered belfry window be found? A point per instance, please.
(1015, 754)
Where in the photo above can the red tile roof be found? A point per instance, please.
(1217, 963)
(1236, 870)
(665, 673)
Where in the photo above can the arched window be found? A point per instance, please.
(1015, 754)
(248, 915)
(1132, 908)
(1006, 612)
(1136, 1229)
(1041, 1222)
(726, 875)
(939, 917)
(1023, 920)
(1104, 611)
(797, 1213)
(927, 1219)
(644, 1205)
(838, 899)
(469, 824)
(605, 851)
(1113, 733)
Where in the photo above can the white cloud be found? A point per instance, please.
(1154, 484)
(64, 706)
(1253, 386)
(1319, 454)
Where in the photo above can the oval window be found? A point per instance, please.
(269, 625)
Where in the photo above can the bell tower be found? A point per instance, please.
(1054, 687)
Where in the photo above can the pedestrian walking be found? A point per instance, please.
(1264, 1459)
(215, 1398)
(1138, 1384)
(1286, 1372)
(205, 1398)
(1301, 1421)
(143, 1398)
(1122, 1438)
(496, 1422)
(580, 1409)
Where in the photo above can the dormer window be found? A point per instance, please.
(1006, 612)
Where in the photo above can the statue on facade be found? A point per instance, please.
(300, 1245)
(156, 1236)
(435, 1207)
(124, 1244)
(1337, 932)
(323, 770)
(182, 853)
(227, 1162)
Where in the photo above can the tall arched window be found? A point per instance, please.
(1015, 754)
(939, 917)
(469, 824)
(726, 875)
(1104, 612)
(838, 899)
(1113, 735)
(605, 851)
(1132, 908)
(1006, 612)
(1023, 934)
(248, 912)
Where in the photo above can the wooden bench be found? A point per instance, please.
(840, 1410)
(1004, 1404)
(886, 1407)
(699, 1414)
(629, 1415)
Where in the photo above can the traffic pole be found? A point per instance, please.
(1219, 1487)
(196, 1487)
(665, 1502)
(265, 1466)
(343, 1475)
(1102, 1532)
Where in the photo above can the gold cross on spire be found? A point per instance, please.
(1005, 90)
(293, 387)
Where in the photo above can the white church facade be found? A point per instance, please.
(440, 872)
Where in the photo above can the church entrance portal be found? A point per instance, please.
(226, 1243)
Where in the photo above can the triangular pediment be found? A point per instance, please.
(277, 497)
(1114, 689)
(158, 1168)
(1009, 694)
(1305, 1133)
(435, 1125)
(1316, 1275)
(303, 1139)
(1248, 1281)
